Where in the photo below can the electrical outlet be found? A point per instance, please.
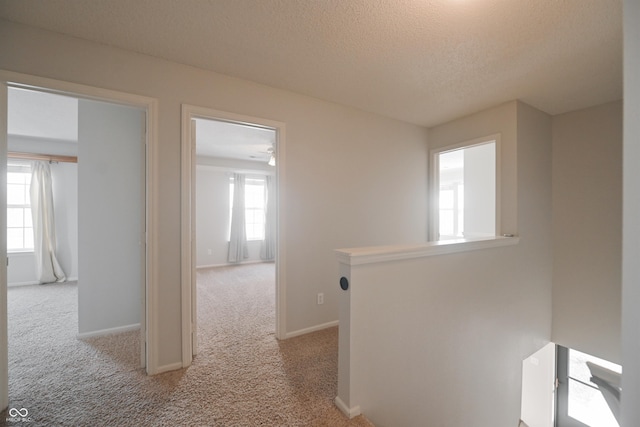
(320, 298)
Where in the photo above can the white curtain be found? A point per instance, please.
(268, 248)
(238, 249)
(44, 230)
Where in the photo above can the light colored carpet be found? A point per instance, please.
(242, 375)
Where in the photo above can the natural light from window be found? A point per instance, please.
(466, 178)
(254, 201)
(591, 403)
(19, 221)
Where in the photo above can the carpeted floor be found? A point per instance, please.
(242, 375)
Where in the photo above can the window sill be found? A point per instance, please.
(377, 254)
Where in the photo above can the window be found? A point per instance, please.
(254, 204)
(465, 188)
(588, 390)
(19, 221)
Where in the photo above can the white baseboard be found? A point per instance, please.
(349, 412)
(11, 285)
(35, 282)
(311, 329)
(167, 368)
(109, 331)
(257, 261)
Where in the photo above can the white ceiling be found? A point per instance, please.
(42, 115)
(421, 61)
(35, 114)
(233, 141)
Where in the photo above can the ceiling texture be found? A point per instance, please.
(420, 61)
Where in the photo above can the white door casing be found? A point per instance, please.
(190, 112)
(149, 349)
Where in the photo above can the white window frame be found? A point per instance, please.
(434, 188)
(13, 166)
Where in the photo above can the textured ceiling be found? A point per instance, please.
(422, 61)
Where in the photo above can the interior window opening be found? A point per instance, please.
(465, 183)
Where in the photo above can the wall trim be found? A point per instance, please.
(257, 261)
(17, 284)
(349, 412)
(167, 368)
(312, 329)
(376, 254)
(434, 185)
(35, 282)
(149, 317)
(109, 331)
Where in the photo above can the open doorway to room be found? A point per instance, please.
(232, 254)
(87, 158)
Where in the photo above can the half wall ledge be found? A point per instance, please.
(376, 254)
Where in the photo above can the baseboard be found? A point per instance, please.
(103, 332)
(11, 285)
(349, 412)
(167, 368)
(35, 282)
(257, 261)
(311, 329)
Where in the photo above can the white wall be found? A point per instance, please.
(352, 178)
(480, 191)
(110, 216)
(440, 340)
(212, 216)
(587, 230)
(538, 387)
(631, 222)
(64, 177)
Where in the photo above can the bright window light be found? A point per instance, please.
(19, 220)
(254, 200)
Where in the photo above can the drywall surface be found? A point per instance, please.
(631, 221)
(64, 177)
(480, 191)
(352, 178)
(538, 386)
(587, 230)
(440, 340)
(110, 216)
(212, 216)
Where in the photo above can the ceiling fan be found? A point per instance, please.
(272, 157)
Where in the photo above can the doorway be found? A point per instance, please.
(261, 142)
(97, 100)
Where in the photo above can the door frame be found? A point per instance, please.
(188, 226)
(148, 319)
